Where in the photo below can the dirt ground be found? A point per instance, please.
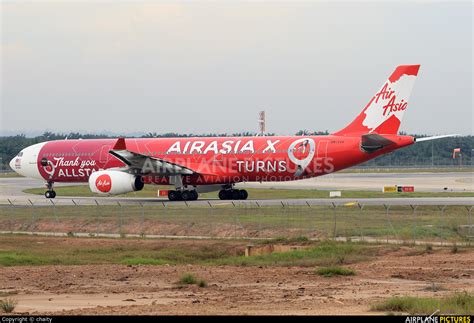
(151, 290)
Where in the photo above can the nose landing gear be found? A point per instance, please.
(50, 193)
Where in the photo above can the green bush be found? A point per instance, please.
(187, 279)
(335, 271)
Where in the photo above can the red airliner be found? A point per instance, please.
(193, 165)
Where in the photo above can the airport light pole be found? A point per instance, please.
(261, 122)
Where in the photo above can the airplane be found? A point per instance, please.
(205, 164)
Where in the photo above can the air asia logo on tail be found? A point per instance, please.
(301, 152)
(391, 101)
(392, 105)
(384, 112)
(103, 183)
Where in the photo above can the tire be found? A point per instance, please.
(235, 194)
(194, 195)
(53, 194)
(223, 195)
(47, 194)
(243, 194)
(173, 195)
(186, 195)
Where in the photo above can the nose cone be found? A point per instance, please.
(12, 164)
(25, 163)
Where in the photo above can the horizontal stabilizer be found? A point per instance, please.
(372, 142)
(434, 137)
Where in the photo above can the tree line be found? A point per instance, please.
(424, 154)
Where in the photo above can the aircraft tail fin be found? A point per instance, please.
(384, 112)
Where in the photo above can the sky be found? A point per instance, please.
(211, 66)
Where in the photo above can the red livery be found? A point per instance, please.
(193, 165)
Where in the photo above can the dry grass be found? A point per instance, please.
(8, 305)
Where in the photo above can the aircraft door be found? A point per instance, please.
(104, 154)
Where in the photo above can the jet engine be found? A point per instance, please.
(114, 182)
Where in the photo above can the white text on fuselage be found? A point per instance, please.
(74, 167)
(261, 166)
(227, 147)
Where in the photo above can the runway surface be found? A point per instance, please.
(423, 182)
(83, 201)
(11, 190)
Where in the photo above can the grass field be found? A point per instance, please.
(225, 221)
(131, 276)
(18, 250)
(255, 193)
(9, 175)
(458, 303)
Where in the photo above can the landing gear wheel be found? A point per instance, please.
(186, 195)
(223, 194)
(235, 194)
(174, 195)
(243, 194)
(50, 194)
(189, 195)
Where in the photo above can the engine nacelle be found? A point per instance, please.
(114, 182)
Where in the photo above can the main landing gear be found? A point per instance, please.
(189, 193)
(186, 195)
(50, 193)
(233, 194)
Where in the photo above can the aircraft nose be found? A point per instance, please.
(26, 162)
(12, 164)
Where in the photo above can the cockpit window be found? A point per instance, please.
(20, 154)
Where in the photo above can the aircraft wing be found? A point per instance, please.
(145, 165)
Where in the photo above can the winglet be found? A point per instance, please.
(120, 144)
